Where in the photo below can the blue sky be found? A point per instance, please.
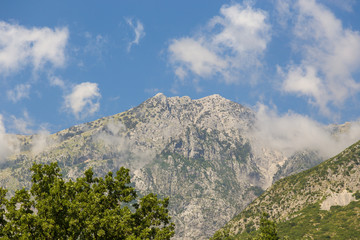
(68, 62)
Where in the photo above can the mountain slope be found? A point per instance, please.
(319, 203)
(197, 152)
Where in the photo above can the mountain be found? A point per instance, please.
(199, 152)
(319, 203)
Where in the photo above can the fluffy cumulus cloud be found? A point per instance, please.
(231, 46)
(21, 46)
(138, 29)
(291, 132)
(194, 56)
(83, 99)
(330, 56)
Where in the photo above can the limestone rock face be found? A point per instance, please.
(197, 152)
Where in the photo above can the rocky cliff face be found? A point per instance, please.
(197, 152)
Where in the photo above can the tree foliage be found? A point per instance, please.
(223, 234)
(88, 208)
(267, 229)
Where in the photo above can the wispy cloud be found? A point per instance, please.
(231, 46)
(115, 140)
(138, 29)
(21, 46)
(41, 141)
(282, 9)
(22, 124)
(330, 56)
(83, 99)
(8, 143)
(95, 44)
(291, 132)
(19, 92)
(57, 81)
(152, 91)
(346, 5)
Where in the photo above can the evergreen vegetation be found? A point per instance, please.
(267, 229)
(88, 208)
(295, 202)
(340, 222)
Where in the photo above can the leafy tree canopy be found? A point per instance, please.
(88, 208)
(267, 229)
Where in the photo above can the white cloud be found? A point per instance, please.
(195, 57)
(95, 45)
(21, 124)
(180, 72)
(291, 132)
(113, 137)
(283, 14)
(21, 46)
(19, 92)
(152, 91)
(83, 100)
(58, 82)
(115, 140)
(330, 56)
(243, 29)
(9, 144)
(138, 29)
(346, 5)
(41, 141)
(232, 46)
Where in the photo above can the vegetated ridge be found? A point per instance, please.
(319, 203)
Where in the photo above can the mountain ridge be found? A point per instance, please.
(335, 182)
(198, 152)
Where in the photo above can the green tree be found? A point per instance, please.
(267, 229)
(223, 234)
(88, 208)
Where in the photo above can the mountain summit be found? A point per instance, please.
(197, 152)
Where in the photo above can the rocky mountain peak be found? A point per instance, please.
(215, 97)
(214, 112)
(186, 99)
(213, 103)
(159, 95)
(195, 151)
